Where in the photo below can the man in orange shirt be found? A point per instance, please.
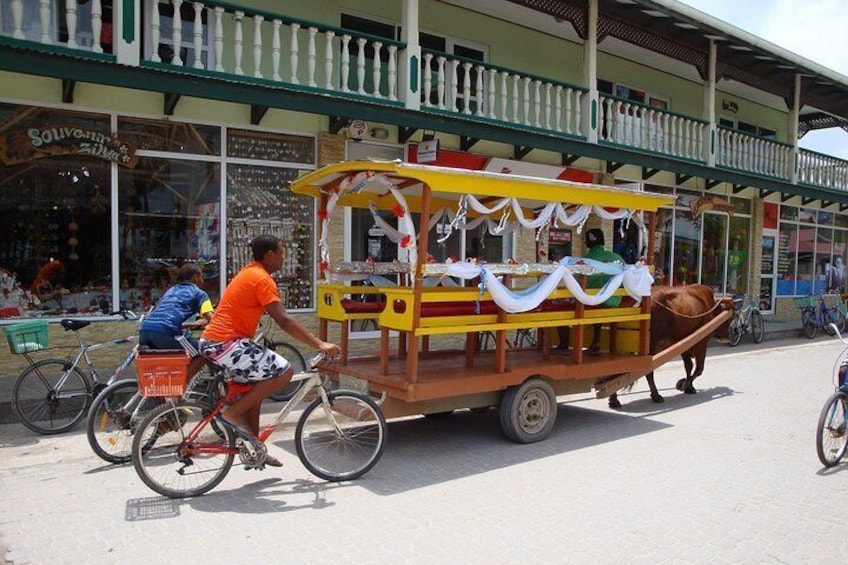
(228, 339)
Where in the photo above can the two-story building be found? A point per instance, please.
(137, 135)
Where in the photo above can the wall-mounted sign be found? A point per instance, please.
(357, 129)
(21, 146)
(428, 151)
(700, 205)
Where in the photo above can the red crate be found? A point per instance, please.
(162, 374)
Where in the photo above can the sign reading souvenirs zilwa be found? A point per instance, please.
(25, 145)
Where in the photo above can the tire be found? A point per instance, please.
(831, 432)
(298, 363)
(528, 412)
(758, 328)
(344, 456)
(839, 320)
(161, 455)
(44, 409)
(829, 317)
(113, 418)
(734, 332)
(808, 321)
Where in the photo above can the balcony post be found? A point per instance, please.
(126, 39)
(410, 62)
(711, 141)
(793, 117)
(590, 104)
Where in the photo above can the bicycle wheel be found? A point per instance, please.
(172, 465)
(298, 363)
(734, 331)
(808, 321)
(343, 440)
(831, 435)
(51, 396)
(113, 418)
(758, 329)
(839, 319)
(828, 317)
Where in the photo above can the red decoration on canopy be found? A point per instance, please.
(322, 214)
(398, 211)
(323, 266)
(404, 243)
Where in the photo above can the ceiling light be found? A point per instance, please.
(740, 47)
(655, 13)
(684, 25)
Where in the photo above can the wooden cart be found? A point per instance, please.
(419, 369)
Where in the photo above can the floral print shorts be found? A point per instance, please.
(246, 360)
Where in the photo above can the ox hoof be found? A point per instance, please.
(657, 398)
(614, 402)
(685, 386)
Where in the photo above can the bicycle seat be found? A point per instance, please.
(74, 325)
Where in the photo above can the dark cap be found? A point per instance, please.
(594, 237)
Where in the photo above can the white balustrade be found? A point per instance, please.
(311, 57)
(428, 79)
(478, 94)
(257, 45)
(360, 65)
(276, 46)
(218, 39)
(294, 53)
(440, 85)
(44, 13)
(345, 78)
(392, 72)
(238, 42)
(198, 35)
(328, 59)
(155, 30)
(376, 71)
(71, 22)
(96, 25)
(466, 88)
(177, 33)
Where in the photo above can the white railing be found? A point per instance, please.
(629, 123)
(269, 46)
(822, 170)
(475, 88)
(39, 21)
(742, 151)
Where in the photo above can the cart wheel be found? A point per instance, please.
(528, 412)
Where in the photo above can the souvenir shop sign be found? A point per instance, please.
(21, 146)
(700, 205)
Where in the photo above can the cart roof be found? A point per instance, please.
(373, 178)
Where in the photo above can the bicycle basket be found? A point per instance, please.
(162, 375)
(805, 301)
(27, 337)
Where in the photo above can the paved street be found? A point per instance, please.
(729, 475)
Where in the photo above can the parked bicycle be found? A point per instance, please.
(525, 338)
(118, 410)
(747, 318)
(180, 449)
(52, 396)
(817, 315)
(831, 432)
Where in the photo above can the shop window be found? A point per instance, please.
(663, 236)
(175, 137)
(259, 200)
(246, 144)
(738, 254)
(54, 198)
(168, 215)
(787, 253)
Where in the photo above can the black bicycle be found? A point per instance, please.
(747, 318)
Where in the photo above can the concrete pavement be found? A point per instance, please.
(728, 475)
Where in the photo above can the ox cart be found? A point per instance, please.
(430, 315)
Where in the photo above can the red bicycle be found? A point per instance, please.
(180, 451)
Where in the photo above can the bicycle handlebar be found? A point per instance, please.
(838, 334)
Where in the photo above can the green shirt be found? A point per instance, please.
(598, 253)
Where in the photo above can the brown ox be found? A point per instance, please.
(677, 312)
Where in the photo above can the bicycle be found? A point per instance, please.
(181, 449)
(118, 410)
(52, 396)
(746, 318)
(525, 338)
(287, 350)
(821, 318)
(831, 433)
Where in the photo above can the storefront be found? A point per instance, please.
(103, 209)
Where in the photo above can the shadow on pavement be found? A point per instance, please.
(674, 400)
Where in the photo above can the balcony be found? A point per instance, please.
(222, 41)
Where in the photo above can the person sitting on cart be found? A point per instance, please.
(170, 318)
(227, 340)
(594, 240)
